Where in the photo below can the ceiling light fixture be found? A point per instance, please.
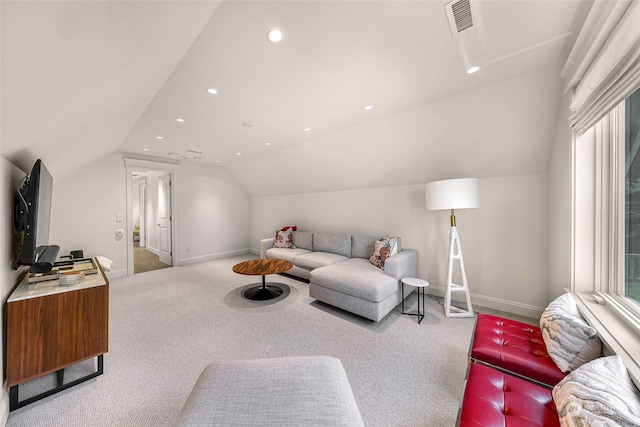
(473, 69)
(159, 137)
(368, 107)
(145, 149)
(267, 143)
(212, 91)
(180, 120)
(239, 154)
(275, 36)
(306, 129)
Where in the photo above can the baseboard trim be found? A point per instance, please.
(152, 250)
(496, 303)
(211, 257)
(114, 274)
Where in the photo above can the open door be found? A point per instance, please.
(164, 218)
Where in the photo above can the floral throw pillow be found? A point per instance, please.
(284, 239)
(383, 249)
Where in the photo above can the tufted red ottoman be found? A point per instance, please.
(493, 398)
(514, 347)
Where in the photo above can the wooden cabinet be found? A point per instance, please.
(51, 327)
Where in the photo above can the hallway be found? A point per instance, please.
(143, 260)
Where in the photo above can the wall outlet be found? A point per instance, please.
(119, 217)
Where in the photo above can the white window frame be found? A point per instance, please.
(598, 238)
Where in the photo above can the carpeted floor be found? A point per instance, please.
(167, 325)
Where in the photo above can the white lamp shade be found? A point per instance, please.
(452, 194)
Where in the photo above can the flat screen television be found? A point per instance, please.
(31, 219)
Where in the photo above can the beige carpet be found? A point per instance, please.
(167, 325)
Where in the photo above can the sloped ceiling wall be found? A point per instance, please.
(76, 76)
(501, 130)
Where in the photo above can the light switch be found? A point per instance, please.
(119, 217)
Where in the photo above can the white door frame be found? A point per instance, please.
(131, 164)
(142, 197)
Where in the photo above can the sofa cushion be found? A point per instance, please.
(284, 239)
(313, 260)
(334, 243)
(599, 393)
(493, 398)
(362, 246)
(283, 253)
(303, 239)
(356, 277)
(513, 346)
(383, 249)
(569, 340)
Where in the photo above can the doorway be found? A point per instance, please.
(151, 207)
(150, 219)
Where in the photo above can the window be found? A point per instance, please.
(631, 290)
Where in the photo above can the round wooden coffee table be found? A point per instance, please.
(263, 267)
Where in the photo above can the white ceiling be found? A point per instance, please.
(84, 79)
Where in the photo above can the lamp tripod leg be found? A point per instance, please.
(455, 253)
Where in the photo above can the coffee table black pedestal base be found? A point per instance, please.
(263, 292)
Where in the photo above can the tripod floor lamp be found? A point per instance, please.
(454, 194)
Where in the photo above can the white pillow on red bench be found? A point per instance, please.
(569, 340)
(599, 393)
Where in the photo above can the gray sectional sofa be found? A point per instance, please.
(340, 274)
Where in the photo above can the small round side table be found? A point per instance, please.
(420, 284)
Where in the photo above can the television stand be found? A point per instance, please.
(51, 327)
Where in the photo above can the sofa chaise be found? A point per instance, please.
(340, 273)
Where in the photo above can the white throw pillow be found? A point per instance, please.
(569, 340)
(599, 393)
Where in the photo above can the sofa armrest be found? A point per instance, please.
(403, 264)
(264, 245)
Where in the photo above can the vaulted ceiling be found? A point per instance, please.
(81, 80)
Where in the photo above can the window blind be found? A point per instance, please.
(612, 76)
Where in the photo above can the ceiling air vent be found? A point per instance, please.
(459, 14)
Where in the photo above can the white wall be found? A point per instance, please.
(560, 197)
(214, 214)
(504, 242)
(85, 205)
(11, 177)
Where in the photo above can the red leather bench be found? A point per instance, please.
(513, 347)
(494, 398)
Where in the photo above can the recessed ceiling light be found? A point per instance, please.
(267, 143)
(217, 161)
(180, 120)
(239, 154)
(473, 69)
(212, 91)
(275, 36)
(368, 107)
(145, 149)
(159, 137)
(306, 129)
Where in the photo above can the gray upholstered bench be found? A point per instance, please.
(290, 391)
